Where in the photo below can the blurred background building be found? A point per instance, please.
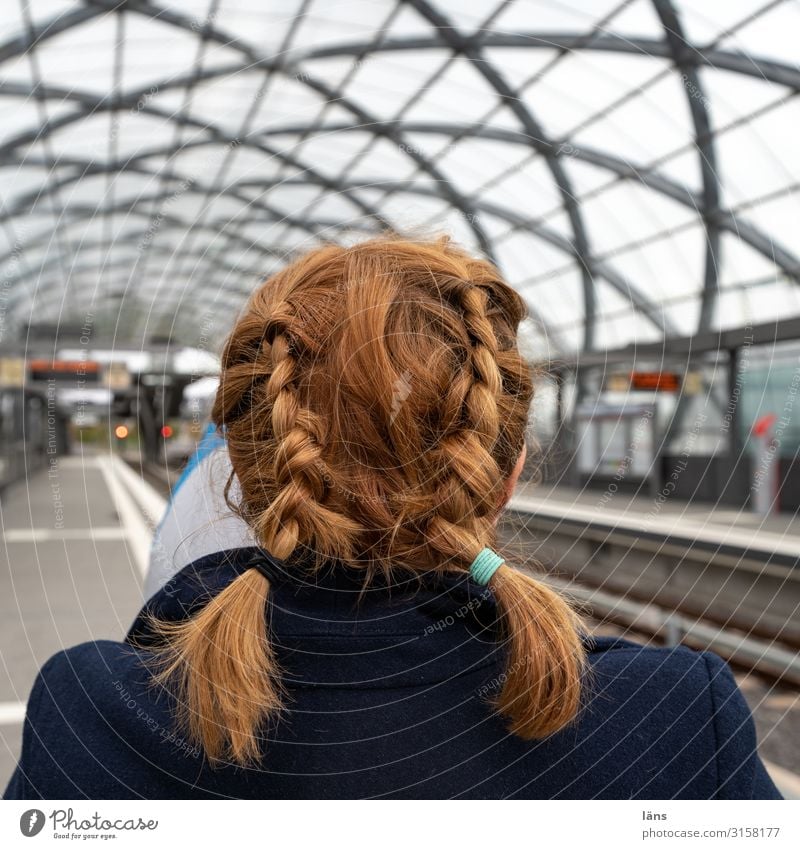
(632, 168)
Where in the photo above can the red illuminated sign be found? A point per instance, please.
(656, 381)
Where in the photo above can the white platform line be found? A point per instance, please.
(12, 713)
(152, 505)
(47, 534)
(137, 533)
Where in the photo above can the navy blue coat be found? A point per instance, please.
(388, 699)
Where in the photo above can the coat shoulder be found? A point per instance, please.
(643, 679)
(94, 721)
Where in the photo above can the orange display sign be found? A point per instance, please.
(72, 366)
(43, 369)
(656, 381)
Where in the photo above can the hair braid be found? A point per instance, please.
(545, 656)
(296, 511)
(470, 492)
(482, 398)
(374, 403)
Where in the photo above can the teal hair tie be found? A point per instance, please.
(485, 565)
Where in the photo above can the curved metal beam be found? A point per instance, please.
(780, 73)
(761, 68)
(787, 261)
(255, 60)
(704, 141)
(179, 224)
(472, 50)
(638, 299)
(91, 106)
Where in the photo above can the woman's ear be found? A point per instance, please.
(511, 481)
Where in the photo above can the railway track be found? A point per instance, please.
(670, 589)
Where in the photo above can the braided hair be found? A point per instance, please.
(374, 404)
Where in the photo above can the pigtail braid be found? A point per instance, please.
(545, 657)
(222, 670)
(487, 384)
(220, 662)
(297, 510)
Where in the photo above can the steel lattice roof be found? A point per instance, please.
(631, 166)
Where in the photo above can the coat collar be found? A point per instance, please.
(329, 633)
(328, 602)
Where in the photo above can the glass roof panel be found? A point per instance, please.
(664, 269)
(460, 94)
(546, 16)
(646, 124)
(203, 138)
(769, 139)
(772, 35)
(754, 304)
(629, 214)
(524, 186)
(706, 22)
(776, 217)
(82, 57)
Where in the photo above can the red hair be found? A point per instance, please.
(374, 403)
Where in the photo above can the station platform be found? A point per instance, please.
(75, 551)
(774, 538)
(75, 548)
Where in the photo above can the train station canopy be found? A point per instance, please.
(631, 166)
